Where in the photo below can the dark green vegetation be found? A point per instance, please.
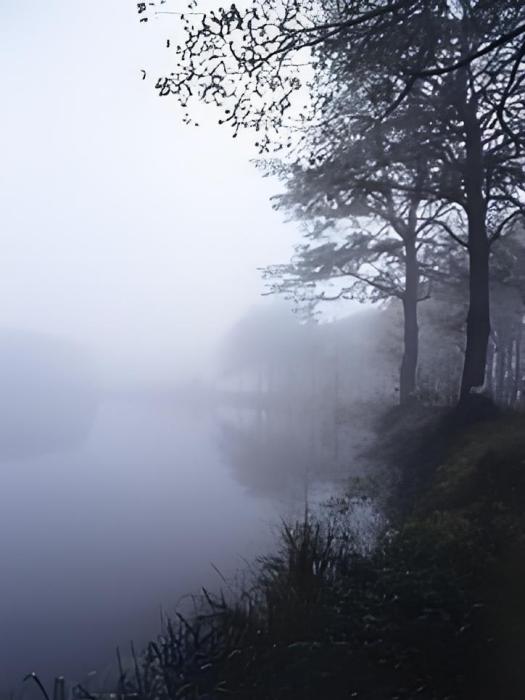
(435, 610)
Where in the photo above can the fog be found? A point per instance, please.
(270, 385)
(129, 247)
(122, 229)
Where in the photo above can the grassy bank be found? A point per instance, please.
(435, 610)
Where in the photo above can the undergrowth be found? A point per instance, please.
(431, 608)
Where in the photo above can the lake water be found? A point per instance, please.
(96, 538)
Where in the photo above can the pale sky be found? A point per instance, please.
(120, 227)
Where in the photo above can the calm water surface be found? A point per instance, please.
(97, 538)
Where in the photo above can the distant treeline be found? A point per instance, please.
(273, 359)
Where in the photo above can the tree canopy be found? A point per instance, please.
(390, 111)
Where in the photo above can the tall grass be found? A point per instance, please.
(238, 642)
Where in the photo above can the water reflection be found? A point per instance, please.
(111, 507)
(277, 452)
(95, 538)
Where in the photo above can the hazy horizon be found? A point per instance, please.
(124, 230)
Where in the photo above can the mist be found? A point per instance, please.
(261, 350)
(130, 246)
(123, 230)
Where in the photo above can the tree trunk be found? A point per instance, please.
(500, 372)
(509, 376)
(407, 378)
(490, 366)
(478, 319)
(517, 368)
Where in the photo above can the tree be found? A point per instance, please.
(250, 46)
(472, 143)
(482, 171)
(505, 366)
(463, 60)
(378, 240)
